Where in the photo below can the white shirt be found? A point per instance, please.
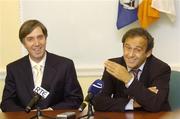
(42, 64)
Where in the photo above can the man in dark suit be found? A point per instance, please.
(58, 74)
(137, 80)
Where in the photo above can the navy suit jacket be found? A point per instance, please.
(59, 79)
(115, 96)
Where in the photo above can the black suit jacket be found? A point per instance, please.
(59, 79)
(115, 96)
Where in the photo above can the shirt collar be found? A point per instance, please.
(41, 63)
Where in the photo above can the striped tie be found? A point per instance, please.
(135, 73)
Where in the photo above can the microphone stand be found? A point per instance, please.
(40, 114)
(89, 113)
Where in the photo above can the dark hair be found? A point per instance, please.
(142, 33)
(28, 26)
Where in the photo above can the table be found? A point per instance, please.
(97, 115)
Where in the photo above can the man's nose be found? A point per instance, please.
(131, 53)
(36, 41)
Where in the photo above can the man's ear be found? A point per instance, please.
(148, 53)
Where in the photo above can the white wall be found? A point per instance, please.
(85, 31)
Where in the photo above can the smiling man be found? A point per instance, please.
(137, 80)
(54, 73)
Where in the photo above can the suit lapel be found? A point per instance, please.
(145, 74)
(29, 76)
(123, 62)
(49, 73)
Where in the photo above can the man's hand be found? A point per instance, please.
(153, 89)
(136, 105)
(118, 71)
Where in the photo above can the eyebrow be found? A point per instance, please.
(33, 36)
(135, 47)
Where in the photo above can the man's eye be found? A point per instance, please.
(128, 48)
(40, 37)
(138, 50)
(29, 39)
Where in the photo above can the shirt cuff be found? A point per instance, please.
(129, 105)
(130, 81)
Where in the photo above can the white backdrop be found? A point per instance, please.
(85, 31)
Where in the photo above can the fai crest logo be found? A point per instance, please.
(130, 4)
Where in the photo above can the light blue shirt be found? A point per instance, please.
(129, 105)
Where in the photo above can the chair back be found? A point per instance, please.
(174, 92)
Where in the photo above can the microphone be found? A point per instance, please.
(39, 93)
(94, 89)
